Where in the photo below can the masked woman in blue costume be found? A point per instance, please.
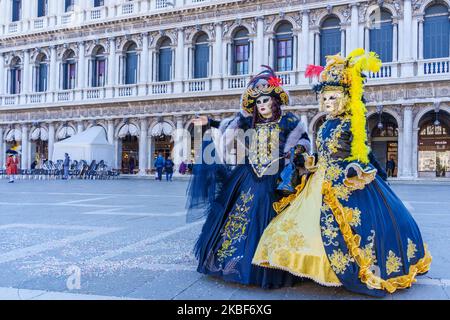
(239, 206)
(345, 226)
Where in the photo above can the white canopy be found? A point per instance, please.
(14, 134)
(39, 133)
(161, 128)
(88, 145)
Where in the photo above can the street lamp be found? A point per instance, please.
(379, 111)
(436, 112)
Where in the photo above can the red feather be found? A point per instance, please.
(274, 81)
(313, 71)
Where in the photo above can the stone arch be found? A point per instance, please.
(325, 15)
(65, 130)
(193, 36)
(232, 31)
(428, 3)
(393, 113)
(371, 9)
(314, 120)
(279, 20)
(424, 111)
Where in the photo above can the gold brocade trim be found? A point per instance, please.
(286, 201)
(343, 218)
(301, 265)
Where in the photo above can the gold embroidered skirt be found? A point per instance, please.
(293, 240)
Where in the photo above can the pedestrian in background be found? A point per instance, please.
(66, 165)
(390, 167)
(132, 165)
(168, 166)
(159, 165)
(183, 168)
(11, 167)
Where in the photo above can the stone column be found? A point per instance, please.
(259, 43)
(400, 151)
(2, 74)
(178, 143)
(51, 140)
(226, 65)
(24, 147)
(53, 70)
(179, 63)
(407, 139)
(217, 59)
(395, 41)
(366, 38)
(80, 127)
(26, 72)
(82, 66)
(317, 47)
(143, 156)
(112, 62)
(110, 131)
(408, 65)
(343, 37)
(415, 151)
(354, 26)
(304, 45)
(144, 60)
(2, 143)
(420, 21)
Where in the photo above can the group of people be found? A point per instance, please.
(164, 164)
(337, 223)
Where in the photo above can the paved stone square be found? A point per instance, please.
(129, 239)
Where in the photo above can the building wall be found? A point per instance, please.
(406, 88)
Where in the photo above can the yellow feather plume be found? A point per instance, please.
(358, 62)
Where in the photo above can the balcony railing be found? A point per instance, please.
(229, 83)
(197, 85)
(434, 66)
(388, 70)
(97, 13)
(236, 82)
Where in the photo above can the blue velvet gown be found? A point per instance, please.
(238, 215)
(365, 238)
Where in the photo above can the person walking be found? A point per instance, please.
(183, 168)
(390, 167)
(66, 165)
(132, 165)
(11, 167)
(168, 166)
(159, 165)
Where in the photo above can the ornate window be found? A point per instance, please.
(241, 48)
(16, 10)
(165, 60)
(98, 67)
(436, 32)
(381, 35)
(283, 47)
(330, 38)
(201, 56)
(42, 8)
(69, 71)
(41, 73)
(131, 64)
(15, 76)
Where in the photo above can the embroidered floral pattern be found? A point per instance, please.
(235, 227)
(393, 263)
(264, 148)
(329, 231)
(356, 217)
(412, 249)
(340, 261)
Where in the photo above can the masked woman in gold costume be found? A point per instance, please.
(344, 226)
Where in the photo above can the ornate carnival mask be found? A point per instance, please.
(264, 105)
(334, 102)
